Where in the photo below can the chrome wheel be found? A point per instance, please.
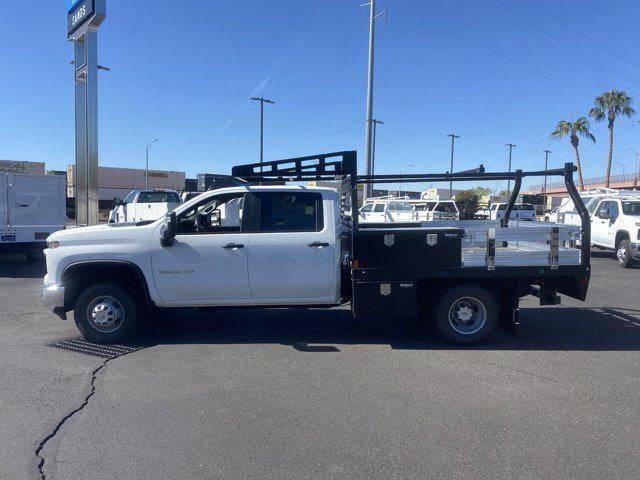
(622, 252)
(105, 314)
(467, 315)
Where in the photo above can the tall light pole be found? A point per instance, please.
(402, 169)
(373, 150)
(511, 146)
(453, 141)
(624, 169)
(146, 168)
(635, 178)
(544, 191)
(368, 142)
(262, 101)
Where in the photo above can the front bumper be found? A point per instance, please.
(53, 298)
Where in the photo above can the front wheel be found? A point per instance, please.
(624, 254)
(466, 314)
(105, 313)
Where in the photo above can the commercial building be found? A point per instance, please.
(118, 182)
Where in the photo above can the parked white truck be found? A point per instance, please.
(283, 246)
(32, 207)
(615, 225)
(142, 205)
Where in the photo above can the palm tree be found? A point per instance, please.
(574, 129)
(611, 105)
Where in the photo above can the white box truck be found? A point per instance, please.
(32, 207)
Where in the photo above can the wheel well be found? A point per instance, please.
(77, 277)
(621, 235)
(430, 290)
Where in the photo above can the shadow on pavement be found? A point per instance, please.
(17, 266)
(325, 330)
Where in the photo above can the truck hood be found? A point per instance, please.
(101, 232)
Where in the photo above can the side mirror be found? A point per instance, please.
(169, 231)
(117, 201)
(604, 213)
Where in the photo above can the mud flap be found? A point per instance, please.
(508, 311)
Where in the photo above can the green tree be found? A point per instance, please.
(611, 105)
(574, 129)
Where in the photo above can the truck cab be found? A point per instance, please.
(615, 225)
(143, 205)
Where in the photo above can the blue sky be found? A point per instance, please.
(183, 71)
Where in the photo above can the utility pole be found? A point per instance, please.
(453, 141)
(146, 168)
(262, 101)
(373, 150)
(368, 142)
(511, 146)
(544, 191)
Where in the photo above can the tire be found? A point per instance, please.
(105, 313)
(466, 300)
(623, 253)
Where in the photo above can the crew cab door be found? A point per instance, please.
(292, 248)
(207, 263)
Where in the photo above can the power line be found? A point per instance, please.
(557, 19)
(562, 42)
(547, 42)
(488, 49)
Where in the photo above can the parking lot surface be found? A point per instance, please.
(297, 394)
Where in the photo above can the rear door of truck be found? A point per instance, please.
(4, 197)
(292, 247)
(37, 200)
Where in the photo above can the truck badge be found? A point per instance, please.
(385, 289)
(389, 240)
(432, 239)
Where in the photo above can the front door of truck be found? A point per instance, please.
(601, 223)
(207, 263)
(292, 256)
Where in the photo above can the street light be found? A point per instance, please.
(262, 101)
(408, 165)
(146, 169)
(635, 179)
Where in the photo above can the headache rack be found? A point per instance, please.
(488, 244)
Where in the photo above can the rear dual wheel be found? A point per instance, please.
(466, 314)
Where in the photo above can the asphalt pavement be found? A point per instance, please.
(297, 394)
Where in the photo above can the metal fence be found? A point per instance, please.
(631, 178)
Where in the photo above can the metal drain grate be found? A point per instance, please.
(80, 345)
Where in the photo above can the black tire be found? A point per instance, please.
(470, 300)
(114, 309)
(623, 253)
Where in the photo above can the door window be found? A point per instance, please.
(367, 208)
(378, 208)
(290, 212)
(607, 206)
(218, 214)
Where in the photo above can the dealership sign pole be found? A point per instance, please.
(83, 19)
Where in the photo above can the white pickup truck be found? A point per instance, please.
(141, 205)
(615, 225)
(496, 211)
(281, 246)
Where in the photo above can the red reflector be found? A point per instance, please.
(584, 281)
(355, 264)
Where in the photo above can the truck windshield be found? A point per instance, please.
(631, 208)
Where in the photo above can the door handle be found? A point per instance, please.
(317, 244)
(233, 245)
